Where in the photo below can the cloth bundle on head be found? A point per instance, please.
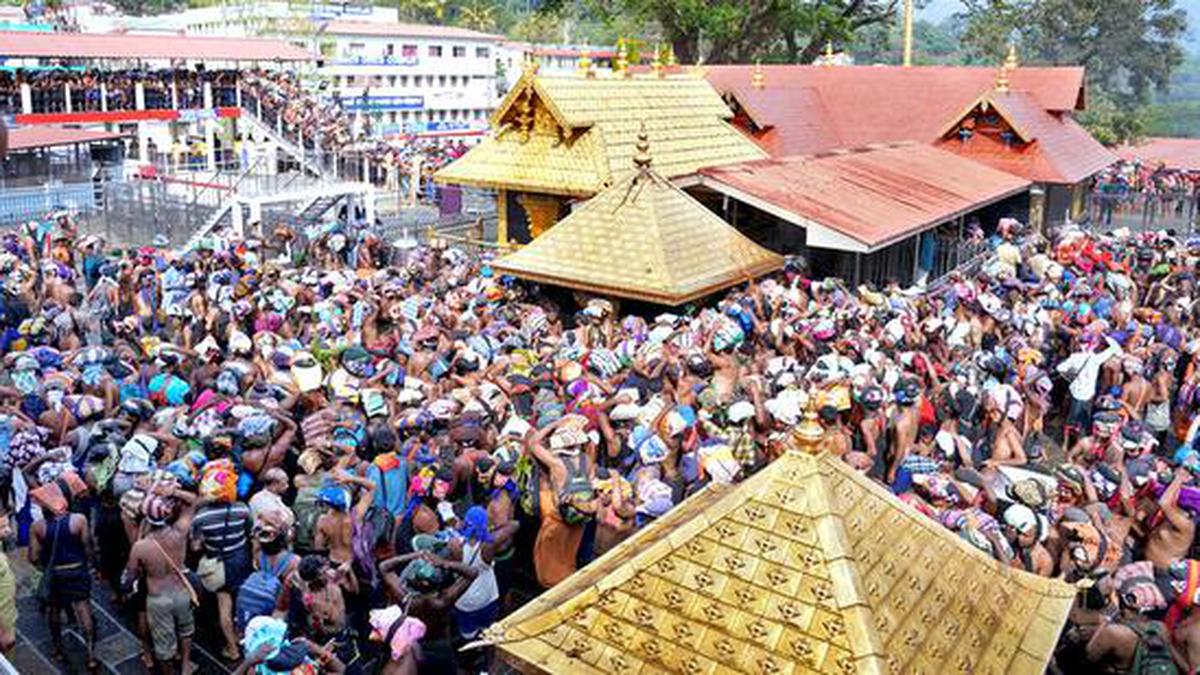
(654, 498)
(648, 445)
(398, 631)
(1135, 587)
(219, 481)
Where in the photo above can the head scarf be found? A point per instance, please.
(475, 525)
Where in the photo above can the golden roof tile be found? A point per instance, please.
(645, 239)
(805, 567)
(583, 138)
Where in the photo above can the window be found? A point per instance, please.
(391, 80)
(408, 50)
(392, 117)
(482, 52)
(417, 81)
(390, 51)
(459, 51)
(441, 81)
(403, 80)
(349, 80)
(355, 48)
(337, 81)
(435, 51)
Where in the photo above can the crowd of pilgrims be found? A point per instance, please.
(357, 458)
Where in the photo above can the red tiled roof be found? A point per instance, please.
(1175, 153)
(808, 109)
(1055, 148)
(112, 46)
(31, 138)
(875, 196)
(421, 30)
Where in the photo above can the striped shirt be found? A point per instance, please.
(222, 528)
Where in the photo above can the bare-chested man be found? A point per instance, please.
(1171, 538)
(157, 560)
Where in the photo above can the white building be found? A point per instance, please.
(289, 20)
(411, 78)
(552, 59)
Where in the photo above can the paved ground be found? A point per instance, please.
(117, 646)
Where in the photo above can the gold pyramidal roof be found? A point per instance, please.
(644, 239)
(805, 567)
(574, 136)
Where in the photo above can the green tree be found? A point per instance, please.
(740, 31)
(1130, 47)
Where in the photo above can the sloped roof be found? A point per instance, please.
(1175, 153)
(393, 29)
(807, 566)
(874, 195)
(1054, 148)
(572, 135)
(810, 109)
(642, 238)
(30, 138)
(162, 47)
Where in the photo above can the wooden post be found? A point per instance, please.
(502, 216)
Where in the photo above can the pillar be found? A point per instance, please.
(104, 97)
(139, 96)
(542, 211)
(174, 95)
(210, 129)
(239, 224)
(143, 140)
(369, 206)
(502, 216)
(237, 94)
(68, 105)
(366, 169)
(1037, 209)
(26, 98)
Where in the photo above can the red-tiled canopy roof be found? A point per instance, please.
(31, 138)
(1175, 153)
(158, 47)
(422, 30)
(867, 198)
(807, 109)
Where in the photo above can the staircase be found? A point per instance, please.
(220, 220)
(263, 129)
(317, 207)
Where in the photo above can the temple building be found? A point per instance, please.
(805, 567)
(1017, 119)
(558, 139)
(642, 239)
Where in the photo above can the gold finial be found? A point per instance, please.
(657, 64)
(1010, 61)
(1002, 81)
(585, 66)
(530, 67)
(808, 434)
(620, 63)
(758, 79)
(641, 158)
(829, 51)
(671, 62)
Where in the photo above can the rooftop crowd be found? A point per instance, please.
(1152, 192)
(353, 456)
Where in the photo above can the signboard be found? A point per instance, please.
(197, 114)
(378, 103)
(393, 60)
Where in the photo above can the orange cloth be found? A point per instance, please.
(557, 543)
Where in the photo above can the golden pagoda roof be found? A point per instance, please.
(645, 239)
(574, 136)
(805, 567)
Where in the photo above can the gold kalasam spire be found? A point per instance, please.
(671, 62)
(620, 63)
(1010, 61)
(530, 66)
(808, 434)
(657, 64)
(829, 52)
(586, 68)
(641, 158)
(758, 79)
(1002, 81)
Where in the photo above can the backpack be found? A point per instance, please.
(363, 540)
(308, 511)
(578, 485)
(260, 591)
(527, 475)
(1153, 654)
